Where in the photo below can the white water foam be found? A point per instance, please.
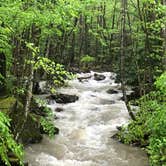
(86, 127)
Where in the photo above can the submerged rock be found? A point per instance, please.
(112, 91)
(55, 117)
(99, 77)
(59, 109)
(63, 98)
(85, 78)
(105, 101)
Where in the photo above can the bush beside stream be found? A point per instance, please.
(149, 128)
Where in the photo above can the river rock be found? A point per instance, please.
(63, 98)
(105, 101)
(112, 91)
(119, 128)
(36, 88)
(15, 110)
(99, 77)
(55, 117)
(115, 137)
(85, 78)
(58, 109)
(50, 101)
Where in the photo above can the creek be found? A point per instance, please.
(86, 127)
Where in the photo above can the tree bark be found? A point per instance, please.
(2, 73)
(122, 56)
(164, 41)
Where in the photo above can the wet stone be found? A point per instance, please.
(50, 101)
(105, 102)
(112, 91)
(99, 77)
(96, 109)
(63, 98)
(85, 78)
(59, 109)
(55, 117)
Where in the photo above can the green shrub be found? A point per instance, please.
(46, 121)
(7, 143)
(149, 129)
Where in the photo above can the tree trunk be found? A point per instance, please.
(122, 56)
(2, 73)
(29, 87)
(164, 41)
(27, 101)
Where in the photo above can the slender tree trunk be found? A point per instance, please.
(72, 50)
(2, 73)
(27, 101)
(164, 37)
(47, 48)
(29, 87)
(112, 35)
(86, 42)
(122, 57)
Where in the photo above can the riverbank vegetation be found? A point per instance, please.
(47, 40)
(148, 128)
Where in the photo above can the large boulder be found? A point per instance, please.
(63, 98)
(14, 109)
(99, 77)
(31, 133)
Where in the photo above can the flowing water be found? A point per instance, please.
(86, 127)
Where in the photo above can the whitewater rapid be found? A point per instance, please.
(86, 127)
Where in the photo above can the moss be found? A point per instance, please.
(14, 109)
(6, 104)
(31, 132)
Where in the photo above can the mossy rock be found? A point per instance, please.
(7, 104)
(31, 133)
(14, 109)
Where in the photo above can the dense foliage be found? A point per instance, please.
(149, 128)
(126, 37)
(7, 143)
